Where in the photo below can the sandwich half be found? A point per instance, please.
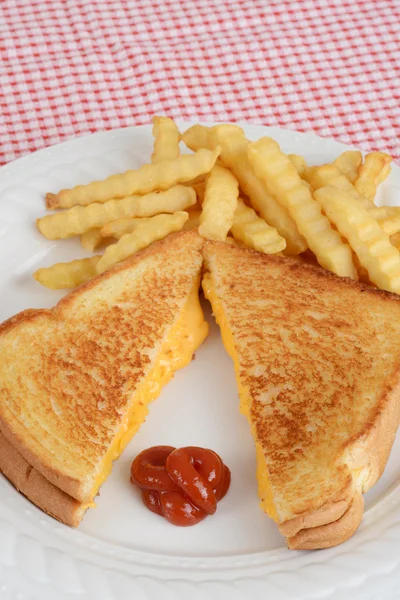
(317, 361)
(76, 381)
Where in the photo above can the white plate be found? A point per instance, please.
(121, 550)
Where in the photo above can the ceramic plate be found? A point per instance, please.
(121, 550)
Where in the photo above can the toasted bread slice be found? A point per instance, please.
(317, 361)
(75, 381)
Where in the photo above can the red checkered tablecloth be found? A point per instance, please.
(69, 67)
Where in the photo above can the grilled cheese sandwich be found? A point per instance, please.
(317, 361)
(76, 381)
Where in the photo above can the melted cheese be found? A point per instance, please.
(177, 351)
(264, 488)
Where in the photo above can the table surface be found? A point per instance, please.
(71, 67)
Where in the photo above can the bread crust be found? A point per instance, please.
(331, 534)
(27, 480)
(71, 487)
(370, 452)
(330, 511)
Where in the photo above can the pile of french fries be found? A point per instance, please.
(233, 190)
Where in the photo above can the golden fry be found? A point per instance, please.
(388, 218)
(385, 172)
(375, 169)
(390, 226)
(91, 239)
(79, 219)
(197, 137)
(299, 163)
(330, 174)
(144, 234)
(234, 146)
(121, 227)
(372, 246)
(349, 163)
(67, 275)
(254, 232)
(282, 180)
(148, 178)
(219, 205)
(166, 139)
(323, 175)
(201, 179)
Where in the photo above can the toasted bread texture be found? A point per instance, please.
(68, 376)
(37, 488)
(318, 365)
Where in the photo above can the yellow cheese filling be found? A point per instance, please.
(264, 488)
(177, 351)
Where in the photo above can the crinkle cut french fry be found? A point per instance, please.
(388, 218)
(324, 175)
(234, 145)
(375, 169)
(197, 137)
(330, 174)
(121, 227)
(79, 219)
(67, 275)
(385, 172)
(390, 226)
(166, 139)
(299, 163)
(144, 234)
(349, 163)
(274, 168)
(372, 246)
(219, 205)
(254, 232)
(159, 176)
(201, 179)
(234, 154)
(91, 239)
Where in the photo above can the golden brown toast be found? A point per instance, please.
(75, 381)
(317, 360)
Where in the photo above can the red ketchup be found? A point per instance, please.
(183, 485)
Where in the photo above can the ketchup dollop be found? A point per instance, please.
(181, 484)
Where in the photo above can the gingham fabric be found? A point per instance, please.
(69, 67)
